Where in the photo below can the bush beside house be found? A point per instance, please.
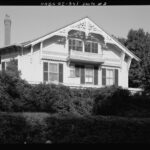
(74, 114)
(18, 96)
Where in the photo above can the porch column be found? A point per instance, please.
(83, 46)
(41, 51)
(67, 45)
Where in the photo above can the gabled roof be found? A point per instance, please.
(87, 21)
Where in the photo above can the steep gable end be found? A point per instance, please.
(90, 28)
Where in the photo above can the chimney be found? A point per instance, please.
(7, 23)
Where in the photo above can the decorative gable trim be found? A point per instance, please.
(88, 26)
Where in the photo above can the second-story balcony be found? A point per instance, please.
(85, 57)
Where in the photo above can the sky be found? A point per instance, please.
(29, 22)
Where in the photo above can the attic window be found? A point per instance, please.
(91, 47)
(75, 44)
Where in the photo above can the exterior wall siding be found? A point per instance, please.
(31, 67)
(31, 64)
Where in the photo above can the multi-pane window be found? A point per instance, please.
(89, 75)
(74, 71)
(75, 44)
(95, 47)
(110, 76)
(77, 71)
(91, 47)
(51, 72)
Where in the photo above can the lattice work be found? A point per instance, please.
(91, 27)
(81, 26)
(87, 26)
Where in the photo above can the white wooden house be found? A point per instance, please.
(80, 54)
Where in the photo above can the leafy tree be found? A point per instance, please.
(12, 88)
(138, 42)
(12, 68)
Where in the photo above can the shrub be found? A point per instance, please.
(96, 130)
(111, 101)
(13, 92)
(13, 129)
(119, 102)
(16, 95)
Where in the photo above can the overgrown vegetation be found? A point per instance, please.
(75, 114)
(18, 96)
(17, 128)
(138, 42)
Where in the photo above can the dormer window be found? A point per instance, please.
(75, 44)
(91, 47)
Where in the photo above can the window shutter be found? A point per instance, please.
(60, 72)
(3, 66)
(96, 75)
(45, 71)
(103, 76)
(116, 77)
(82, 75)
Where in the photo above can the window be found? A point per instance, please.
(91, 47)
(51, 72)
(110, 76)
(87, 47)
(75, 44)
(75, 71)
(72, 71)
(89, 75)
(95, 47)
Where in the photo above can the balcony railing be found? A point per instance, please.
(77, 56)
